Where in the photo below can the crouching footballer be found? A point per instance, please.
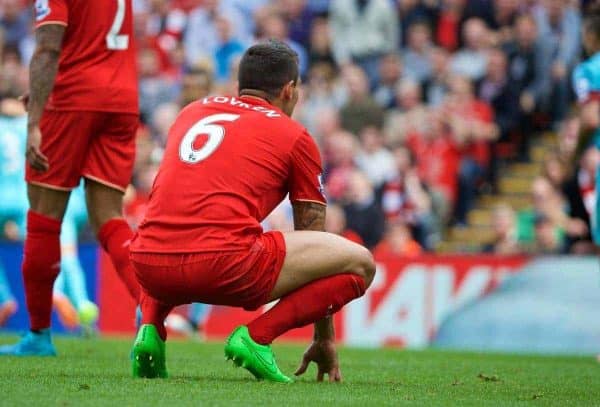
(228, 163)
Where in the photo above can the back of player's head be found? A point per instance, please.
(268, 67)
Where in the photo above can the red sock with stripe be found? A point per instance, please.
(41, 265)
(306, 305)
(115, 236)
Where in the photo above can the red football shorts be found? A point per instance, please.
(95, 145)
(242, 278)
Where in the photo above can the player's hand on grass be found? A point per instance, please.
(34, 155)
(324, 354)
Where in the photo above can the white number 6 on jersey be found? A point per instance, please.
(215, 133)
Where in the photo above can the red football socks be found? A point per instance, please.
(154, 312)
(41, 265)
(115, 236)
(306, 305)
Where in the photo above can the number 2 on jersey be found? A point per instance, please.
(114, 40)
(215, 134)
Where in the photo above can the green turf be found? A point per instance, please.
(96, 372)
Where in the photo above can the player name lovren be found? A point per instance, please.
(237, 102)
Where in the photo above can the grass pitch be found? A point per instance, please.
(97, 372)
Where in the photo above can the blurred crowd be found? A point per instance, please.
(415, 104)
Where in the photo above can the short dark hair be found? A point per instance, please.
(268, 67)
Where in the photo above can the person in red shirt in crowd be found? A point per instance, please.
(437, 156)
(340, 150)
(404, 197)
(161, 28)
(229, 161)
(83, 115)
(398, 241)
(472, 124)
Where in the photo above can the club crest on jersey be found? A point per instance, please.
(42, 9)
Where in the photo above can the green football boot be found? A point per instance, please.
(148, 356)
(256, 358)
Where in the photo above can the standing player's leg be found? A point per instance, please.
(321, 273)
(107, 170)
(105, 207)
(41, 265)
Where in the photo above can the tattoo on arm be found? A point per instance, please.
(309, 216)
(43, 68)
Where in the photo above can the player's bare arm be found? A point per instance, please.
(311, 216)
(42, 74)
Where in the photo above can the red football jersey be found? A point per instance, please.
(97, 68)
(228, 163)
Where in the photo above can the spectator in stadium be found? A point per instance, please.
(547, 239)
(362, 210)
(228, 49)
(326, 123)
(416, 55)
(373, 159)
(447, 34)
(162, 118)
(391, 71)
(435, 88)
(13, 74)
(437, 157)
(201, 38)
(471, 59)
(500, 94)
(505, 239)
(498, 15)
(559, 25)
(497, 91)
(335, 222)
(196, 83)
(161, 26)
(553, 168)
(363, 31)
(410, 114)
(319, 47)
(155, 87)
(15, 21)
(339, 151)
(320, 98)
(549, 206)
(299, 19)
(273, 26)
(528, 74)
(397, 241)
(471, 121)
(360, 110)
(413, 11)
(405, 197)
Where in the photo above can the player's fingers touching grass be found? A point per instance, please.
(324, 354)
